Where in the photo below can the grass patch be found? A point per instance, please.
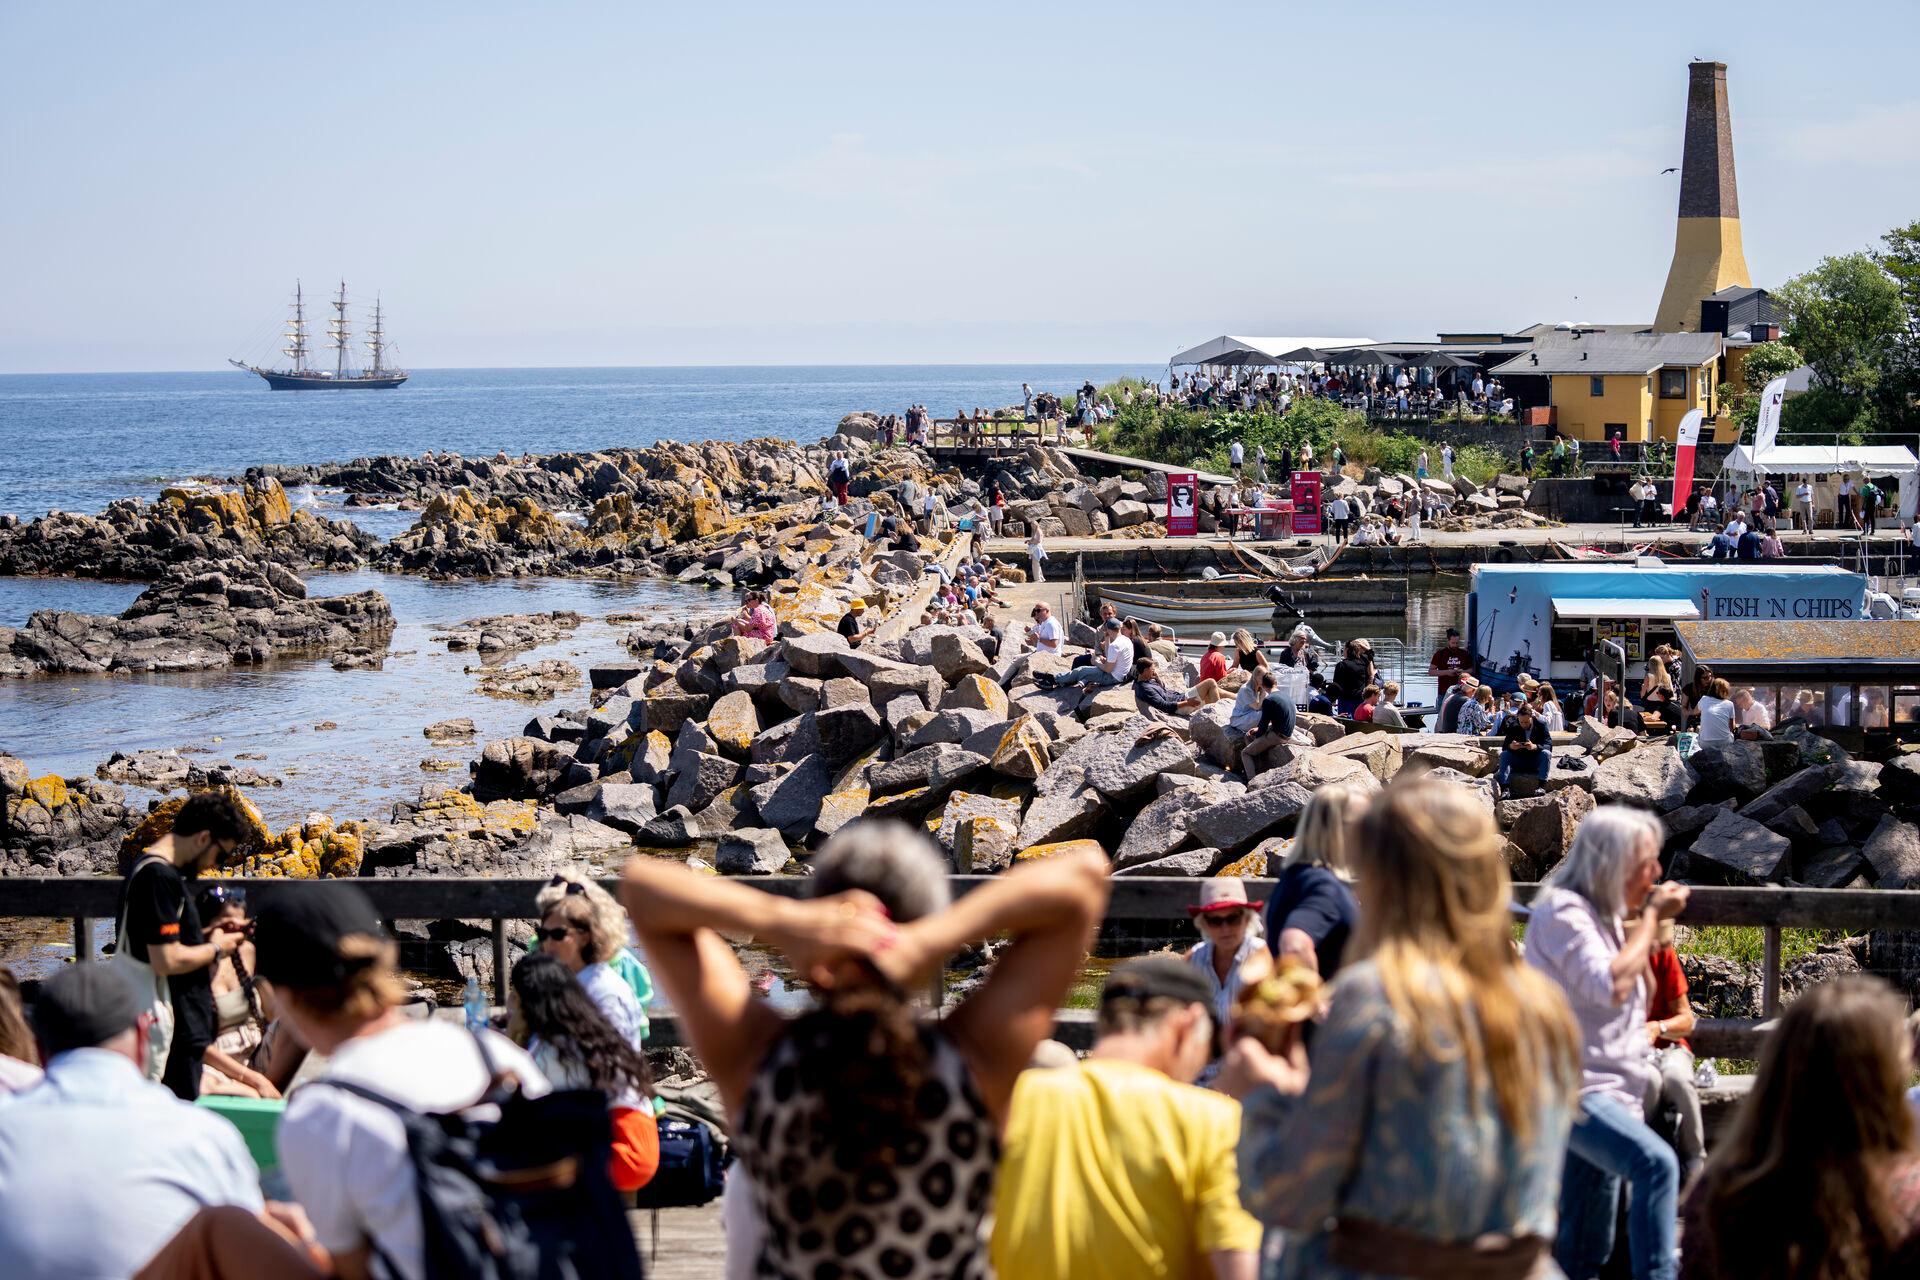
(1746, 944)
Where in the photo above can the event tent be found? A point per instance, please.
(1228, 349)
(1897, 461)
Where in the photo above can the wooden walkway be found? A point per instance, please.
(692, 1245)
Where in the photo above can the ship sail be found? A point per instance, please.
(299, 376)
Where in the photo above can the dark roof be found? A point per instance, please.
(1734, 292)
(1851, 643)
(1613, 353)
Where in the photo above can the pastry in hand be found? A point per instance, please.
(1272, 1005)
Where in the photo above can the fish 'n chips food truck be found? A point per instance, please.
(1542, 620)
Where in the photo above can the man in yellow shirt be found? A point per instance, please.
(1118, 1167)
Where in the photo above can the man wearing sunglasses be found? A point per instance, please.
(162, 946)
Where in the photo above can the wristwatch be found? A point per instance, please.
(1662, 1024)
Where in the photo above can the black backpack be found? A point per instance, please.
(525, 1196)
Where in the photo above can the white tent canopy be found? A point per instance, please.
(1228, 349)
(1893, 460)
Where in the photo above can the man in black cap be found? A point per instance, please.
(1114, 664)
(1088, 1144)
(161, 940)
(99, 1167)
(336, 982)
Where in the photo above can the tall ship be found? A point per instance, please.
(301, 376)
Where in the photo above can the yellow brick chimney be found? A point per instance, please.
(1707, 253)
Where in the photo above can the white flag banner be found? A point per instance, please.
(1769, 425)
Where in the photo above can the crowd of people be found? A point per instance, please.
(1456, 1104)
(1398, 391)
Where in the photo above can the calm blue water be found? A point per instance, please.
(75, 442)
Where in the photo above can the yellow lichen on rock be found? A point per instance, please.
(50, 791)
(1249, 866)
(254, 837)
(1035, 852)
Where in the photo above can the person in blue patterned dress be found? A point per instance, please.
(1426, 1136)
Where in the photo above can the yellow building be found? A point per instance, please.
(1635, 385)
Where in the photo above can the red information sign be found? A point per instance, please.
(1306, 502)
(1183, 504)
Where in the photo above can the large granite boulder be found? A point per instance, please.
(1741, 848)
(1649, 777)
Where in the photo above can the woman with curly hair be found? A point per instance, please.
(610, 927)
(582, 934)
(870, 1135)
(1820, 1180)
(577, 1048)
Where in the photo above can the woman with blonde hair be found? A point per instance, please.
(1313, 912)
(1247, 655)
(581, 934)
(1820, 1179)
(1427, 1138)
(610, 922)
(1387, 710)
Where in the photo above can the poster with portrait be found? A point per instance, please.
(1183, 504)
(1306, 502)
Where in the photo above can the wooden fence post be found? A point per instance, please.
(1770, 972)
(499, 961)
(83, 939)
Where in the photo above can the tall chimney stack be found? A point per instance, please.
(1707, 253)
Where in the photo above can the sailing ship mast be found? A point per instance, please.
(337, 330)
(297, 332)
(376, 336)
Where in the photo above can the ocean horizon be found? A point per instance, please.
(77, 441)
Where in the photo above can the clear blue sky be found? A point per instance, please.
(573, 184)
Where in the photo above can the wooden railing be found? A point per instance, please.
(1135, 902)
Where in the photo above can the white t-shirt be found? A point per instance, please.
(1716, 719)
(345, 1158)
(1119, 654)
(1804, 495)
(1755, 714)
(1046, 634)
(1238, 454)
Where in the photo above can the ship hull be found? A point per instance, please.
(306, 382)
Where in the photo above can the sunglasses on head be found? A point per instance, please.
(573, 886)
(557, 934)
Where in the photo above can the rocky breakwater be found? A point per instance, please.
(251, 520)
(53, 826)
(199, 616)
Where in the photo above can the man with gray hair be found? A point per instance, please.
(99, 1168)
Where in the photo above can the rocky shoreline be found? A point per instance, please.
(752, 752)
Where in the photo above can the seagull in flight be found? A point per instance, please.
(1675, 169)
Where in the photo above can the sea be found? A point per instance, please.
(75, 442)
(349, 743)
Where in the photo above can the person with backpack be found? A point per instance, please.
(576, 1047)
(382, 1149)
(838, 477)
(871, 1137)
(163, 949)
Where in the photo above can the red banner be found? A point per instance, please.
(1684, 442)
(1306, 502)
(1183, 504)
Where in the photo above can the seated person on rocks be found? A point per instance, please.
(1525, 745)
(755, 619)
(1114, 664)
(1245, 717)
(1387, 710)
(1044, 635)
(1622, 715)
(1278, 718)
(1149, 692)
(850, 623)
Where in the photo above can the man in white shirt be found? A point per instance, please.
(345, 1156)
(1446, 462)
(1337, 517)
(1803, 506)
(100, 1167)
(1114, 664)
(1044, 634)
(1237, 455)
(1748, 711)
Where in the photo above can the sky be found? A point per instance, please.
(639, 184)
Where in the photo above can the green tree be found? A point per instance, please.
(1764, 363)
(1845, 316)
(1900, 389)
